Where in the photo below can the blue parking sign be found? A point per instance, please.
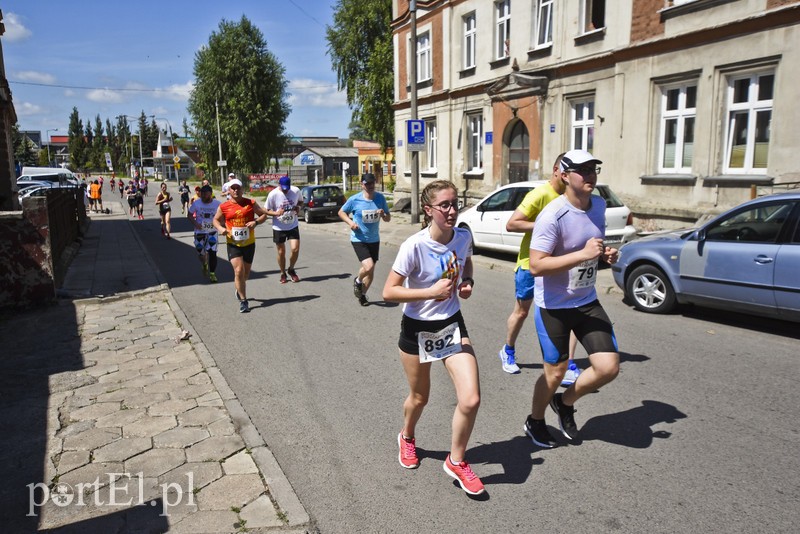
(415, 135)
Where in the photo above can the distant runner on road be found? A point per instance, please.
(363, 213)
(285, 202)
(202, 213)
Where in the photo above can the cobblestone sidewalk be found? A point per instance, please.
(144, 435)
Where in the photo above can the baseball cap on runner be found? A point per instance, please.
(285, 182)
(575, 158)
(231, 175)
(368, 178)
(233, 182)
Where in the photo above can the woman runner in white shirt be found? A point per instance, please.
(433, 269)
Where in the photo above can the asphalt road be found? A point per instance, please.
(698, 432)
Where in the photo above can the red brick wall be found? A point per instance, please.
(502, 114)
(437, 61)
(646, 22)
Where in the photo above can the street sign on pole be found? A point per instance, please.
(415, 135)
(222, 163)
(176, 159)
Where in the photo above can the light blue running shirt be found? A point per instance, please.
(365, 214)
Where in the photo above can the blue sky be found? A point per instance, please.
(61, 54)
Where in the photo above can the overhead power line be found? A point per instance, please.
(128, 89)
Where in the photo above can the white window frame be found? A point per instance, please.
(502, 29)
(470, 36)
(424, 57)
(584, 123)
(544, 24)
(681, 114)
(432, 144)
(753, 106)
(475, 142)
(587, 8)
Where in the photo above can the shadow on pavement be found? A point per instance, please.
(632, 428)
(38, 346)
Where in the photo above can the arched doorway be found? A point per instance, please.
(518, 153)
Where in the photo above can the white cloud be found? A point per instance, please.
(178, 92)
(26, 109)
(160, 110)
(69, 92)
(36, 77)
(104, 95)
(15, 30)
(315, 93)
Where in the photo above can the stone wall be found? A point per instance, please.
(27, 275)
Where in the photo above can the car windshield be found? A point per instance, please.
(326, 192)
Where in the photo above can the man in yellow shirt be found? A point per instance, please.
(522, 220)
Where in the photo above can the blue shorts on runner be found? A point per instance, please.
(523, 283)
(590, 323)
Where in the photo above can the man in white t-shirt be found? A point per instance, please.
(566, 244)
(285, 202)
(201, 213)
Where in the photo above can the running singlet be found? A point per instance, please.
(236, 219)
(204, 215)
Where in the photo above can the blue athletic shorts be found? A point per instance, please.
(523, 283)
(590, 323)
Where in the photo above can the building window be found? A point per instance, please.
(502, 34)
(544, 23)
(593, 15)
(582, 125)
(749, 107)
(678, 113)
(431, 143)
(424, 57)
(469, 41)
(475, 144)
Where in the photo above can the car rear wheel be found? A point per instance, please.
(307, 217)
(650, 290)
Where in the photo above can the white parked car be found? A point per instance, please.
(487, 220)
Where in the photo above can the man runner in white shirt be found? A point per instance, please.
(566, 245)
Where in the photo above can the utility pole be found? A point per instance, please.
(413, 75)
(219, 142)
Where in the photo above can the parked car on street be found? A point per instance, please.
(744, 260)
(487, 220)
(320, 201)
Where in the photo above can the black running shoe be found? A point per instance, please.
(244, 306)
(363, 300)
(566, 417)
(537, 431)
(357, 289)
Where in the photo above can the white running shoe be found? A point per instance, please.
(509, 364)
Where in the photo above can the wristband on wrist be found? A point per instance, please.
(469, 281)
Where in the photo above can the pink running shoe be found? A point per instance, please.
(461, 471)
(408, 452)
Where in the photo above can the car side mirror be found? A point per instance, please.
(700, 234)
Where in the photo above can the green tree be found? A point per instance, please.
(77, 142)
(98, 144)
(237, 71)
(24, 148)
(360, 46)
